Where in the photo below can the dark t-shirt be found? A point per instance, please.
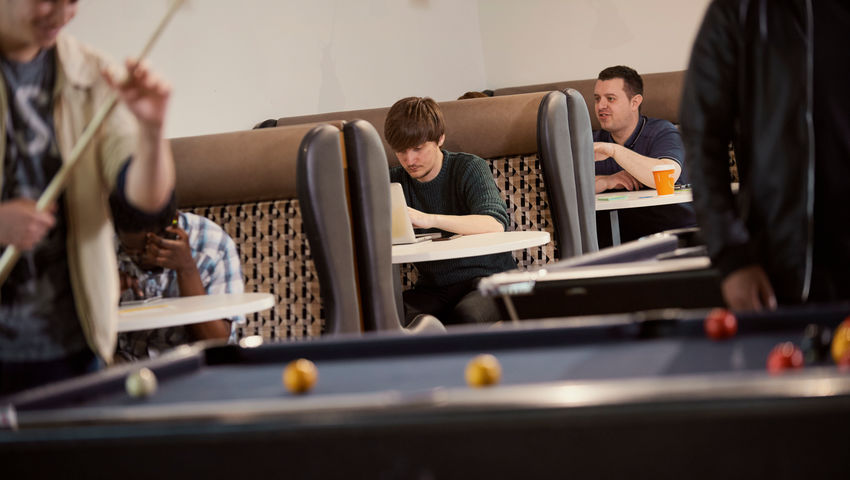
(654, 138)
(832, 139)
(38, 320)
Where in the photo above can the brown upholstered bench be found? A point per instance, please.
(662, 93)
(245, 182)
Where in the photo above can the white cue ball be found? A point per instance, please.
(141, 383)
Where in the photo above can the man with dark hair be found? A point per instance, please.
(58, 308)
(769, 76)
(627, 148)
(181, 255)
(449, 192)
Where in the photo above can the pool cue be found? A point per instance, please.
(58, 182)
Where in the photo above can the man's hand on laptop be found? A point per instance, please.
(420, 219)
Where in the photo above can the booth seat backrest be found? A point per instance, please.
(662, 93)
(481, 126)
(371, 226)
(501, 130)
(574, 203)
(245, 182)
(375, 116)
(324, 195)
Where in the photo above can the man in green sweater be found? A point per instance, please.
(450, 192)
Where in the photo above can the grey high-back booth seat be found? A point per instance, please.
(580, 143)
(369, 181)
(322, 197)
(322, 185)
(245, 181)
(523, 143)
(662, 93)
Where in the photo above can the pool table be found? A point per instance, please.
(665, 270)
(638, 395)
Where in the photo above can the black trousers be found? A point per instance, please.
(453, 304)
(639, 222)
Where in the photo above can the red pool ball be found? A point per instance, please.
(720, 324)
(785, 356)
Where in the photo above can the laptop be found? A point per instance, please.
(402, 228)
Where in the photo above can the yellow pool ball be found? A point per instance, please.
(141, 383)
(841, 341)
(300, 376)
(483, 371)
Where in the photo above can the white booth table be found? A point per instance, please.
(613, 201)
(468, 246)
(169, 312)
(460, 247)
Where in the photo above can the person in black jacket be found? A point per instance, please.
(771, 77)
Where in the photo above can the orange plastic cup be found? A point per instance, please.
(663, 176)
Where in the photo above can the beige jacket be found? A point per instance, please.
(78, 94)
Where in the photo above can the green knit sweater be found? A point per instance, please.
(464, 186)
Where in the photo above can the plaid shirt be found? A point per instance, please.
(218, 263)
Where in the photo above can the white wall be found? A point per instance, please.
(235, 63)
(538, 41)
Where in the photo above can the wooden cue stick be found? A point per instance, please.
(58, 182)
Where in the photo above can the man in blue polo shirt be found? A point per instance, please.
(626, 149)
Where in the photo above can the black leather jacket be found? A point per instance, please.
(750, 81)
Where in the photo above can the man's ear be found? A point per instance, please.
(636, 101)
(442, 139)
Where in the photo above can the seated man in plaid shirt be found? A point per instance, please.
(186, 255)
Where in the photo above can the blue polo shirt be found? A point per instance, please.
(654, 138)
